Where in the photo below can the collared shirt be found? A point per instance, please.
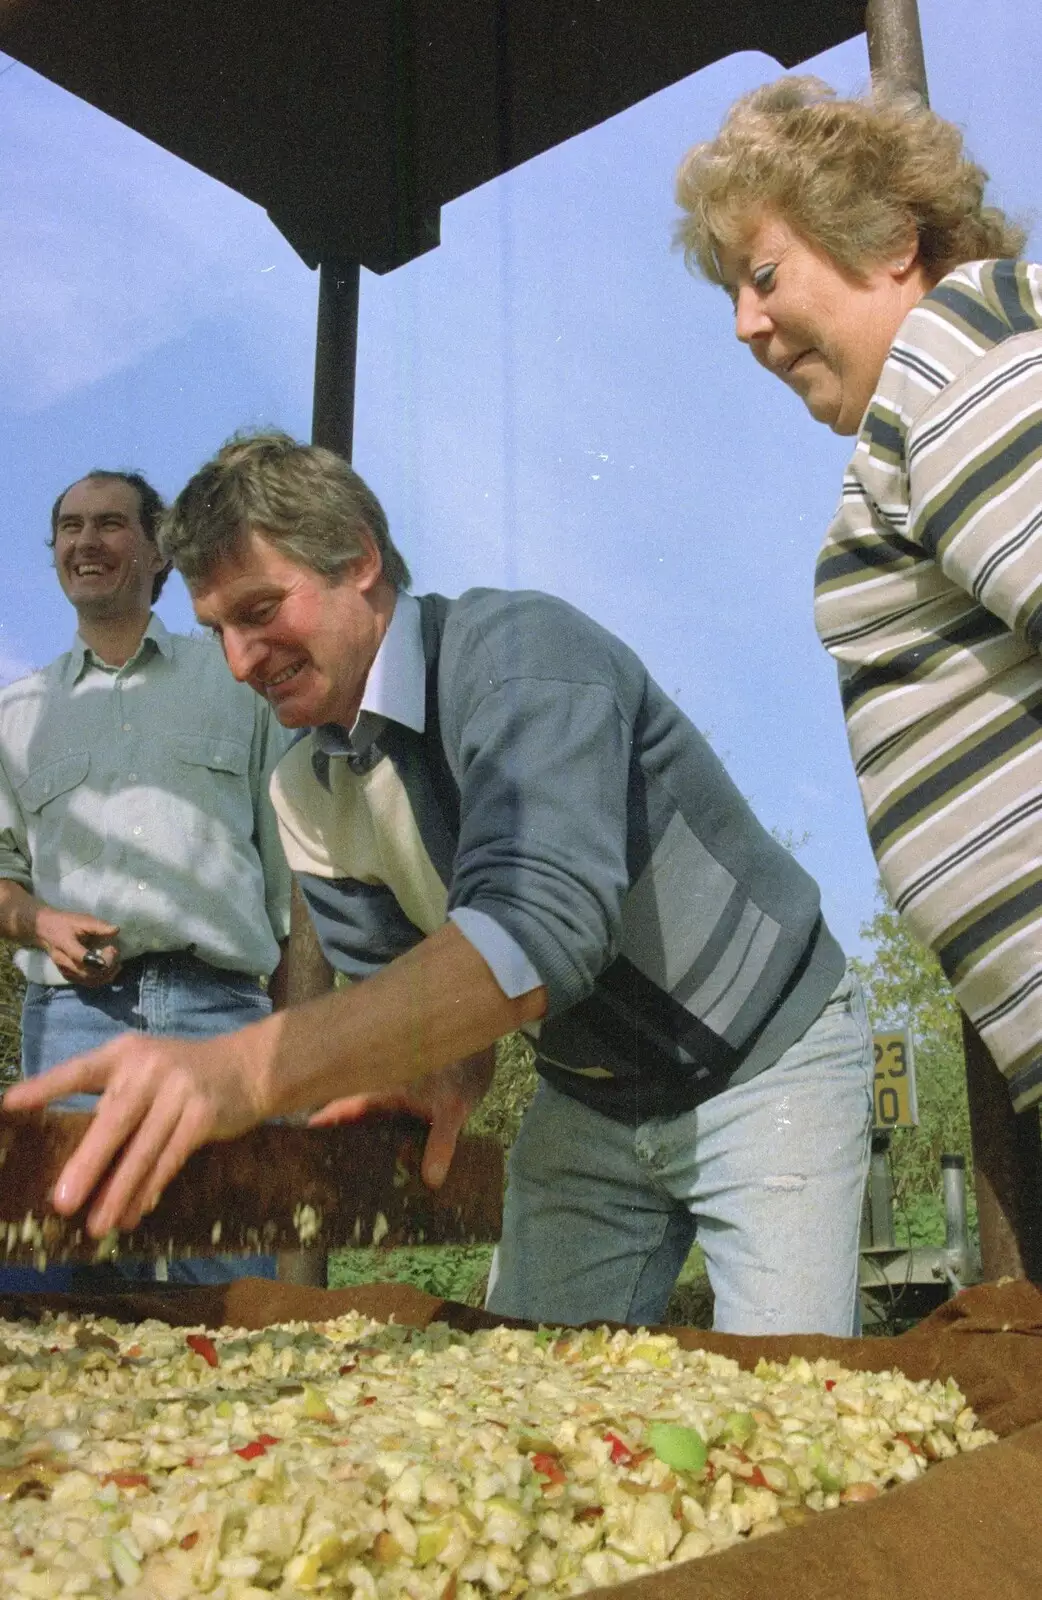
(396, 691)
(139, 794)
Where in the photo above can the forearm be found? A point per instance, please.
(19, 911)
(433, 1006)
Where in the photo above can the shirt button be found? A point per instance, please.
(132, 777)
(126, 727)
(137, 832)
(142, 885)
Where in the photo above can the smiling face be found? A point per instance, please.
(105, 561)
(825, 332)
(303, 641)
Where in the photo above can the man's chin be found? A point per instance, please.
(290, 715)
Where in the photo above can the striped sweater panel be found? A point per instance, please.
(929, 596)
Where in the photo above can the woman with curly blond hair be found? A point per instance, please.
(868, 274)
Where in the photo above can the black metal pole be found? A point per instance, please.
(895, 45)
(336, 348)
(332, 426)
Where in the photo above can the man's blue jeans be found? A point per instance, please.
(173, 994)
(769, 1175)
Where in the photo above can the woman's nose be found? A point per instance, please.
(750, 319)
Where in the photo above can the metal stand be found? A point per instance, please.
(898, 1280)
(895, 45)
(336, 351)
(332, 426)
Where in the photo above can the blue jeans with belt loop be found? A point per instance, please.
(171, 993)
(769, 1176)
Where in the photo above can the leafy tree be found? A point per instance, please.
(905, 987)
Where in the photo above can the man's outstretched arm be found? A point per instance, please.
(162, 1098)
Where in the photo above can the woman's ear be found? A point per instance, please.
(906, 255)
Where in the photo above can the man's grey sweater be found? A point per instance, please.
(558, 789)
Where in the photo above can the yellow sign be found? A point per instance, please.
(895, 1080)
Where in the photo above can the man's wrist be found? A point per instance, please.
(255, 1050)
(33, 919)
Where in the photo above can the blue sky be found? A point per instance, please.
(548, 399)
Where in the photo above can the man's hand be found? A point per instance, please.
(160, 1100)
(445, 1099)
(82, 947)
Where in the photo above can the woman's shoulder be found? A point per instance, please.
(979, 305)
(972, 312)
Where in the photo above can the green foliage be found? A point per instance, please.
(921, 1220)
(905, 987)
(499, 1114)
(451, 1272)
(12, 987)
(904, 984)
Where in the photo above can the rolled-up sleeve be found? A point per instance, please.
(15, 860)
(503, 955)
(543, 780)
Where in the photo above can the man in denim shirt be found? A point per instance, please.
(140, 867)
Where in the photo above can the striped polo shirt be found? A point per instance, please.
(929, 596)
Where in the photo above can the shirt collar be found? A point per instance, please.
(155, 637)
(395, 690)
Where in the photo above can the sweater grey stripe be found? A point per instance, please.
(681, 945)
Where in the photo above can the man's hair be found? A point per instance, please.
(303, 499)
(150, 511)
(854, 178)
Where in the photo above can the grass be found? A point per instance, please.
(460, 1272)
(12, 987)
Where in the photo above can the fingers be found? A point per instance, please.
(160, 1158)
(441, 1145)
(81, 1075)
(352, 1108)
(115, 1120)
(134, 1175)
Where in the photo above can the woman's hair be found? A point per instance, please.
(851, 177)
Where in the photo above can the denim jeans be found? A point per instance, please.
(174, 994)
(768, 1175)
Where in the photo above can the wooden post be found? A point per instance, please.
(1007, 1162)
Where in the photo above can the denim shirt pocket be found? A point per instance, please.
(217, 770)
(64, 819)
